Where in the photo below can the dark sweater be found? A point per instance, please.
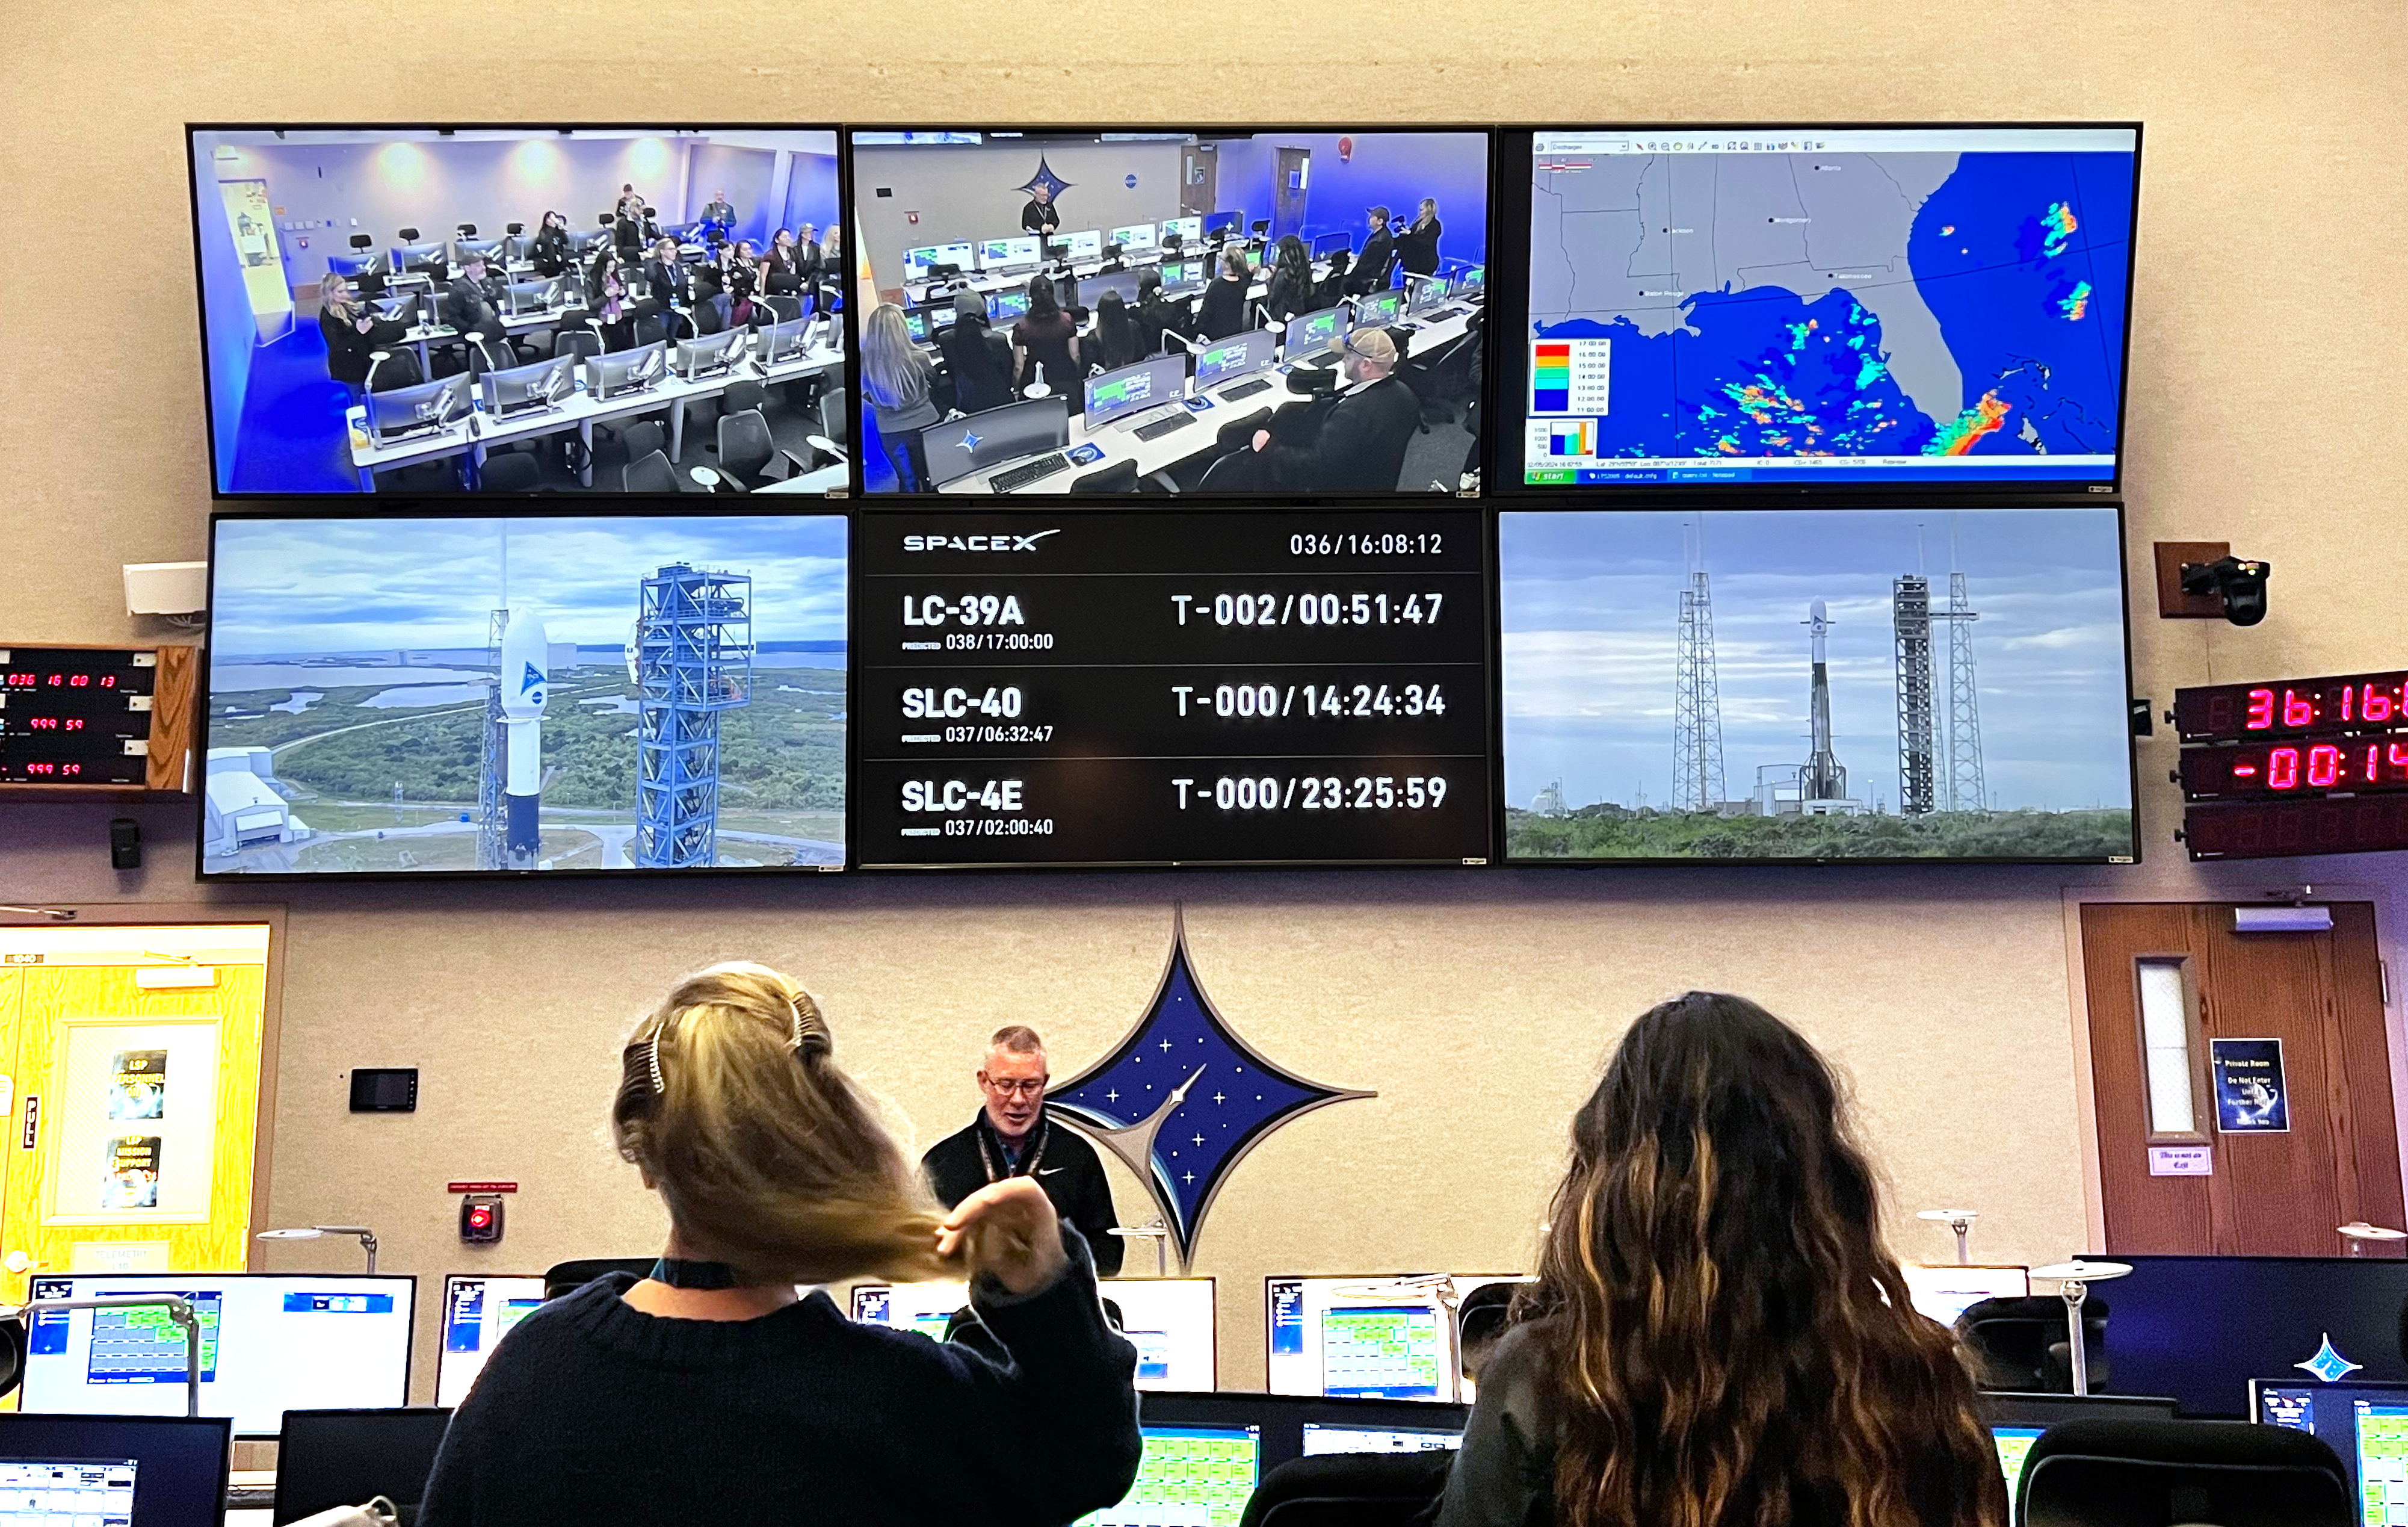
(592, 1411)
(1069, 1171)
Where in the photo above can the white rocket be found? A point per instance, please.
(524, 686)
(1822, 778)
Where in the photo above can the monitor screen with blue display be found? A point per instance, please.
(1824, 307)
(1007, 253)
(302, 234)
(477, 1312)
(2366, 1425)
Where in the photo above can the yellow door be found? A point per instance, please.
(133, 1097)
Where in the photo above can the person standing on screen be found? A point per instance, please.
(1290, 289)
(1157, 316)
(720, 209)
(1041, 216)
(1379, 253)
(1013, 1137)
(627, 222)
(980, 358)
(1222, 311)
(1417, 246)
(1360, 447)
(896, 384)
(549, 253)
(1045, 343)
(668, 286)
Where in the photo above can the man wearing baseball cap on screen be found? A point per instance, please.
(1360, 447)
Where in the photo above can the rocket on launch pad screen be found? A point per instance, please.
(478, 693)
(1812, 685)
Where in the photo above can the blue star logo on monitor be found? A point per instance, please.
(2328, 1365)
(968, 440)
(1055, 185)
(1183, 1098)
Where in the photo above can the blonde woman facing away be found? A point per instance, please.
(709, 1394)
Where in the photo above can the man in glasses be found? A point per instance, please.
(1013, 1137)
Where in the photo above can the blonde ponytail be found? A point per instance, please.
(768, 1157)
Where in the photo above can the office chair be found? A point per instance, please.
(1348, 1490)
(509, 471)
(570, 1276)
(745, 445)
(12, 1356)
(2130, 1472)
(583, 343)
(643, 437)
(741, 396)
(651, 330)
(1121, 477)
(2021, 1343)
(1238, 471)
(651, 474)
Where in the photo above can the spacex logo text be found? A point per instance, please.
(976, 543)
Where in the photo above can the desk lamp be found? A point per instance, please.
(1152, 1231)
(2362, 1237)
(2074, 1280)
(312, 1232)
(1959, 1220)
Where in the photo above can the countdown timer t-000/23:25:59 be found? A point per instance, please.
(1245, 687)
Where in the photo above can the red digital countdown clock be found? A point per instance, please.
(2266, 830)
(2235, 712)
(75, 715)
(2304, 768)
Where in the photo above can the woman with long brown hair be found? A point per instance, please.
(710, 1393)
(1717, 1337)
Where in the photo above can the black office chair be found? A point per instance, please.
(651, 330)
(582, 343)
(568, 1276)
(649, 474)
(643, 437)
(1121, 477)
(741, 396)
(1239, 472)
(2021, 1343)
(1348, 1490)
(509, 471)
(12, 1356)
(745, 445)
(329, 1458)
(2119, 1472)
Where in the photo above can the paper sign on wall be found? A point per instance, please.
(2250, 1096)
(2180, 1162)
(120, 1257)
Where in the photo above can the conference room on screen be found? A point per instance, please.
(429, 310)
(1153, 311)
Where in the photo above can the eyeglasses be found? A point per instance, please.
(1032, 1088)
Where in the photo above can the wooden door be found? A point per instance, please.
(2165, 983)
(132, 1077)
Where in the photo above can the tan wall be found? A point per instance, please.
(2269, 308)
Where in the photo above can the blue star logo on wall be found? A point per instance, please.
(2328, 1365)
(1055, 185)
(1183, 1098)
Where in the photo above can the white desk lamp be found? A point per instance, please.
(2074, 1279)
(312, 1232)
(2362, 1236)
(1959, 1220)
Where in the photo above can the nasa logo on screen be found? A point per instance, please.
(1183, 1098)
(2328, 1365)
(1129, 180)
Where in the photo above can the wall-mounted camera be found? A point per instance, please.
(2238, 583)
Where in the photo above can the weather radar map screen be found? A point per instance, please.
(1808, 306)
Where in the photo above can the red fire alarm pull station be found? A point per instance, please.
(480, 1210)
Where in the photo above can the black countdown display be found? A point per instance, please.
(75, 715)
(1155, 689)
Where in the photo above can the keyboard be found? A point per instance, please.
(1143, 420)
(1245, 389)
(1017, 478)
(1163, 426)
(1444, 313)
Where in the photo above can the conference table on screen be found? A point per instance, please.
(582, 411)
(1288, 387)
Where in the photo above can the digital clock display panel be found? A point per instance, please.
(2233, 713)
(75, 715)
(2265, 829)
(2306, 767)
(1256, 687)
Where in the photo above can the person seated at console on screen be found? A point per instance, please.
(1116, 341)
(1290, 290)
(1371, 267)
(896, 384)
(1417, 246)
(1014, 1136)
(1332, 288)
(354, 335)
(979, 358)
(1359, 444)
(1222, 311)
(669, 289)
(1046, 344)
(548, 249)
(709, 1394)
(471, 305)
(1158, 315)
(1718, 1333)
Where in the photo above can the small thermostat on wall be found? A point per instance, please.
(384, 1090)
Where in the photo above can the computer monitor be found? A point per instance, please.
(477, 1312)
(2017, 1420)
(1471, 280)
(1091, 288)
(915, 322)
(329, 1458)
(1308, 335)
(958, 447)
(1330, 244)
(626, 370)
(1190, 229)
(711, 355)
(2014, 1443)
(1192, 1476)
(124, 1471)
(924, 1307)
(1011, 303)
(1181, 277)
(1943, 1293)
(529, 389)
(1136, 238)
(1240, 354)
(533, 297)
(420, 257)
(1321, 1437)
(783, 342)
(1423, 293)
(1228, 221)
(422, 407)
(2366, 1425)
(1378, 310)
(466, 250)
(919, 262)
(1086, 244)
(1132, 388)
(2200, 1328)
(1018, 253)
(1168, 1320)
(269, 1343)
(1385, 1335)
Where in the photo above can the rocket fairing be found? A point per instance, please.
(1821, 779)
(525, 687)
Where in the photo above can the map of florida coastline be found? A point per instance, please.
(1841, 304)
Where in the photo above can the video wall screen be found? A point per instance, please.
(1118, 312)
(1812, 685)
(462, 694)
(1816, 306)
(427, 310)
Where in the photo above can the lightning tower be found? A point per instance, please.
(694, 661)
(1966, 790)
(1696, 693)
(1911, 622)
